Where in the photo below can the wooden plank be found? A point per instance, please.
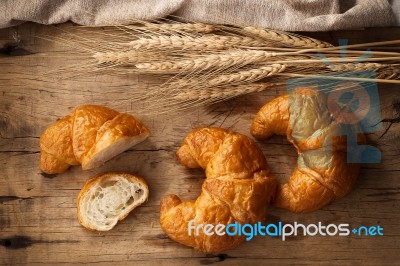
(38, 213)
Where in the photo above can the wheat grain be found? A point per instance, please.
(390, 72)
(223, 60)
(211, 42)
(381, 71)
(247, 75)
(355, 66)
(388, 75)
(178, 27)
(286, 38)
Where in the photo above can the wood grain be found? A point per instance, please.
(38, 212)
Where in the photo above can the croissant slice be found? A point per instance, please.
(238, 188)
(322, 173)
(108, 198)
(90, 136)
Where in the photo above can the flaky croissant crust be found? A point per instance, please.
(238, 188)
(322, 173)
(89, 136)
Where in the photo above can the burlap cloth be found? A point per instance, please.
(290, 15)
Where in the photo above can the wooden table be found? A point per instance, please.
(38, 212)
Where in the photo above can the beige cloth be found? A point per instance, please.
(292, 15)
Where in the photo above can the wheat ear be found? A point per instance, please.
(390, 72)
(247, 75)
(223, 60)
(286, 38)
(211, 42)
(355, 66)
(181, 27)
(226, 92)
(383, 71)
(244, 76)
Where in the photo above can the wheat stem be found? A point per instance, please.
(305, 51)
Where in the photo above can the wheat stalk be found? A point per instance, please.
(207, 68)
(224, 60)
(211, 42)
(286, 38)
(181, 27)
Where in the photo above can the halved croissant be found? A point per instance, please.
(90, 136)
(237, 189)
(322, 173)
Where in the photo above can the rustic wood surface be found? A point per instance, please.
(38, 212)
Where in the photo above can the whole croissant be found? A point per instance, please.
(90, 136)
(322, 173)
(237, 189)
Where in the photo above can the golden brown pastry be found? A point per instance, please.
(237, 189)
(322, 173)
(90, 136)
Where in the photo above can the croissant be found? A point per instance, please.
(90, 136)
(238, 188)
(322, 173)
